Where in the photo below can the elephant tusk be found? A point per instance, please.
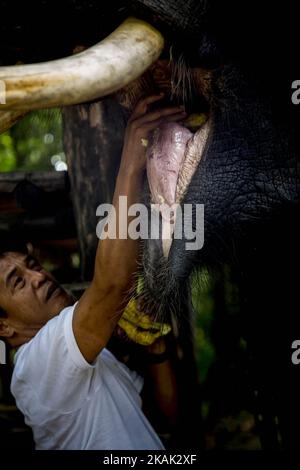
(98, 71)
(9, 118)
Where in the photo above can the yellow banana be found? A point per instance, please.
(194, 121)
(139, 327)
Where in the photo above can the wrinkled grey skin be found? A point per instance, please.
(248, 174)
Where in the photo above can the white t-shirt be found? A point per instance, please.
(71, 404)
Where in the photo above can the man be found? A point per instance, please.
(72, 391)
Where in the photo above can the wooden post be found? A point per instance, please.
(93, 140)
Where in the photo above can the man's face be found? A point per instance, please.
(29, 295)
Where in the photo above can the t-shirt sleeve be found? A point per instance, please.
(51, 369)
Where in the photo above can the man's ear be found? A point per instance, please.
(5, 329)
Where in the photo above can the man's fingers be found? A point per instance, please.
(159, 113)
(176, 117)
(154, 115)
(142, 106)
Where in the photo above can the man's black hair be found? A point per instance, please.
(8, 243)
(12, 244)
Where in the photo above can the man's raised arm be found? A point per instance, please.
(102, 304)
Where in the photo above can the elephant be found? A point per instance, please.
(232, 63)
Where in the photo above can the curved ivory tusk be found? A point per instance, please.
(98, 71)
(9, 118)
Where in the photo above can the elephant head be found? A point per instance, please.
(242, 164)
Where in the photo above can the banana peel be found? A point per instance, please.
(139, 327)
(194, 121)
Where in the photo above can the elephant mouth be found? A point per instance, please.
(175, 149)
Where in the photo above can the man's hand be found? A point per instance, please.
(158, 347)
(161, 388)
(141, 123)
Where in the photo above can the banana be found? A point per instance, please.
(139, 327)
(194, 121)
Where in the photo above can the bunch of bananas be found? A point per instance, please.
(139, 327)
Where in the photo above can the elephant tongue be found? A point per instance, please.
(164, 158)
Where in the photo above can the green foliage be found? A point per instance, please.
(33, 143)
(203, 304)
(7, 153)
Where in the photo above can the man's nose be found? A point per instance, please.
(37, 278)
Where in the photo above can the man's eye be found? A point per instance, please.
(35, 265)
(18, 281)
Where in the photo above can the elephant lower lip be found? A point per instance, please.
(192, 157)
